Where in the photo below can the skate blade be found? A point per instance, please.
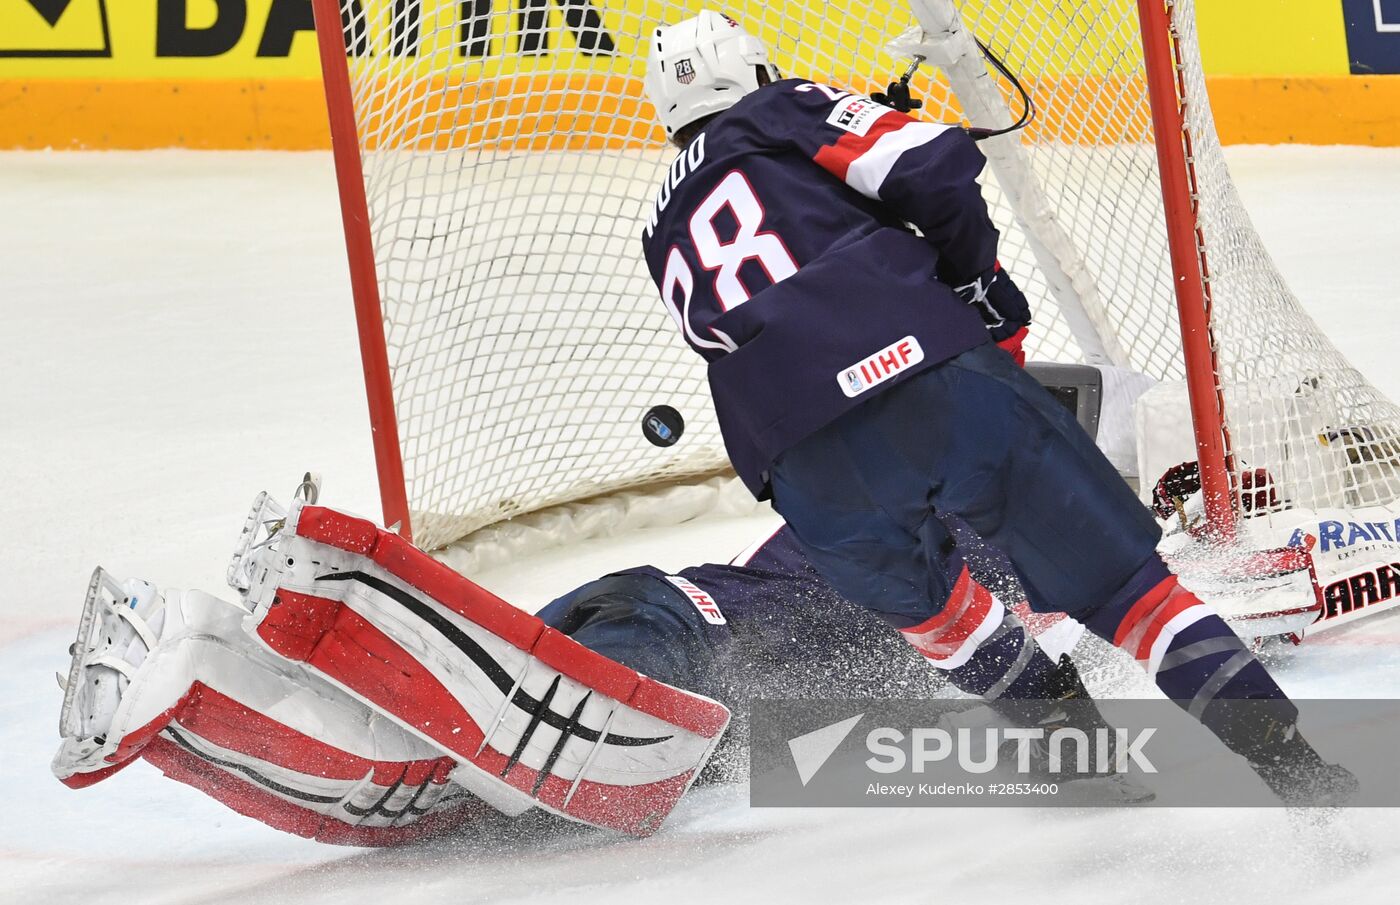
(103, 591)
(1106, 790)
(262, 527)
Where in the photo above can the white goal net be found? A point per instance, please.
(509, 159)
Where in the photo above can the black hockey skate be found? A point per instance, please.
(1071, 708)
(1300, 778)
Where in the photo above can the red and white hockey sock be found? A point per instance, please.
(1192, 654)
(951, 637)
(987, 649)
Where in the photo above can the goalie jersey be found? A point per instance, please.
(781, 242)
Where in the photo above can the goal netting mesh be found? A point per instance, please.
(509, 159)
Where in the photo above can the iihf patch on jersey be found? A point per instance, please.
(685, 71)
(891, 360)
(856, 114)
(703, 601)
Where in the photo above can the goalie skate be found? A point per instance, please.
(170, 676)
(534, 718)
(262, 527)
(113, 640)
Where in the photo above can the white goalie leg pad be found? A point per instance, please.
(534, 717)
(173, 677)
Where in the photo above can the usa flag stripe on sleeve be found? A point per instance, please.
(867, 172)
(864, 161)
(837, 158)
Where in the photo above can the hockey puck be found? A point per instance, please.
(663, 425)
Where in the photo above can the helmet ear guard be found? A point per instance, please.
(702, 66)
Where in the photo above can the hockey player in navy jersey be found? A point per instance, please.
(832, 260)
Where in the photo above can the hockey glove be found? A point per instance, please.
(999, 300)
(1014, 346)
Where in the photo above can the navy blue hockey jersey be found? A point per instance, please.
(780, 242)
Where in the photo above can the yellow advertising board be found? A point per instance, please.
(157, 39)
(245, 73)
(52, 29)
(272, 39)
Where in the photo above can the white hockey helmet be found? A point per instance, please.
(701, 66)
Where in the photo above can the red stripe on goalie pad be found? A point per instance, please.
(92, 777)
(357, 654)
(557, 650)
(236, 727)
(677, 708)
(132, 743)
(335, 529)
(278, 813)
(403, 560)
(637, 810)
(296, 623)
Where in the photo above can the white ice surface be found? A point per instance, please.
(177, 336)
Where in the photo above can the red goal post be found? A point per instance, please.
(1166, 89)
(364, 278)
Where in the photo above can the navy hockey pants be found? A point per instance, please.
(977, 440)
(793, 643)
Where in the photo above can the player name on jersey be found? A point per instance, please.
(881, 366)
(686, 162)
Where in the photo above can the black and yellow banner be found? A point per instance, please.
(245, 73)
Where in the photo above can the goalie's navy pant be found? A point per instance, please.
(977, 439)
(784, 635)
